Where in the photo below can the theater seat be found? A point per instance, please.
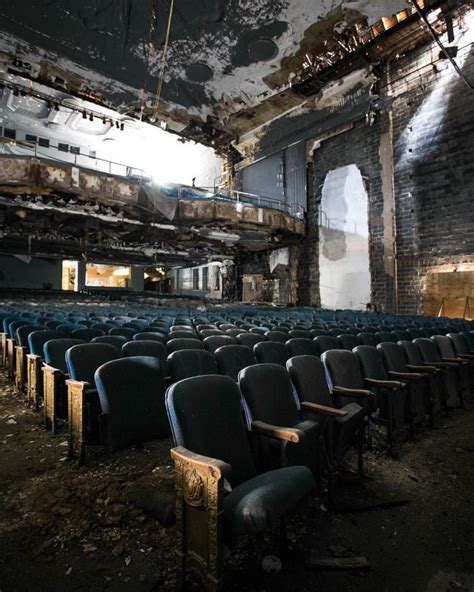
(186, 363)
(212, 446)
(132, 399)
(232, 358)
(348, 428)
(301, 346)
(271, 352)
(268, 395)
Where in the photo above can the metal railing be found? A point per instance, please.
(110, 167)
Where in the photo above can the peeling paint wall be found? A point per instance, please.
(344, 241)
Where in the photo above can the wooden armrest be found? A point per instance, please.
(466, 356)
(281, 433)
(48, 368)
(455, 360)
(211, 466)
(389, 384)
(308, 406)
(423, 369)
(406, 375)
(347, 392)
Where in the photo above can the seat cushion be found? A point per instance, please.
(259, 503)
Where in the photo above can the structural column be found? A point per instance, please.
(80, 282)
(137, 278)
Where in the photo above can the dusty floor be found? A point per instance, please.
(64, 528)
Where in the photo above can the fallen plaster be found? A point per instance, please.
(278, 257)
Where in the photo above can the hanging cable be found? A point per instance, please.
(163, 60)
(424, 18)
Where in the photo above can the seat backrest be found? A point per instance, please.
(55, 352)
(401, 335)
(65, 329)
(299, 334)
(444, 345)
(469, 337)
(216, 341)
(250, 339)
(393, 357)
(277, 336)
(386, 337)
(371, 362)
(232, 358)
(259, 330)
(348, 341)
(87, 334)
(370, 339)
(301, 346)
(132, 398)
(326, 342)
(143, 347)
(319, 333)
(268, 393)
(343, 369)
(115, 340)
(15, 325)
(184, 343)
(52, 324)
(23, 332)
(428, 350)
(309, 378)
(271, 352)
(414, 333)
(183, 335)
(128, 333)
(460, 343)
(234, 332)
(150, 336)
(37, 339)
(6, 323)
(204, 326)
(181, 328)
(210, 333)
(186, 363)
(206, 417)
(411, 352)
(83, 360)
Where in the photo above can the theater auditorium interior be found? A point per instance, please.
(236, 295)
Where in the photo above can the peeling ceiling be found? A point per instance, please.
(223, 59)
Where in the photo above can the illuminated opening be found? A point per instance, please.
(69, 276)
(108, 276)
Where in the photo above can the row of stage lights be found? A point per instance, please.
(19, 92)
(105, 120)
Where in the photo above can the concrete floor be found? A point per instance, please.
(64, 528)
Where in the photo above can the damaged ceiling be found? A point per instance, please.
(221, 68)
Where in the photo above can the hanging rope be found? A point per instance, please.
(164, 56)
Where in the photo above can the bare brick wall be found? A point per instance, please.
(433, 128)
(359, 146)
(429, 111)
(433, 146)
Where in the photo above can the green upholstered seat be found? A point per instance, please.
(206, 418)
(132, 398)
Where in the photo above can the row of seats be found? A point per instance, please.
(260, 412)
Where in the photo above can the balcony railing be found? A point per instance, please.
(218, 192)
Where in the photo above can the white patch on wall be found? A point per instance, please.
(278, 257)
(344, 240)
